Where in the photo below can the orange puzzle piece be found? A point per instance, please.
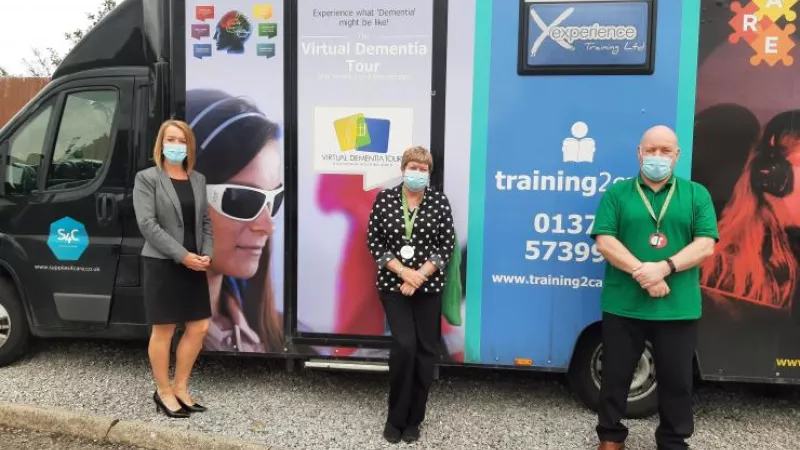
(746, 24)
(774, 45)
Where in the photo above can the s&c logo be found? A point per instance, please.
(68, 239)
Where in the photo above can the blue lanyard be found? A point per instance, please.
(236, 286)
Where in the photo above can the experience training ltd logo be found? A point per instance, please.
(568, 36)
(365, 134)
(68, 239)
(758, 24)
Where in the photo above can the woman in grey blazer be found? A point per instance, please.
(172, 213)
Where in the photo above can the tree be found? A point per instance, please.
(4, 73)
(45, 62)
(106, 7)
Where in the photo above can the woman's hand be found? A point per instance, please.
(407, 290)
(413, 277)
(196, 262)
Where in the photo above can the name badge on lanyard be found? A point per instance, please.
(407, 251)
(657, 239)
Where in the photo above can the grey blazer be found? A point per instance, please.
(158, 213)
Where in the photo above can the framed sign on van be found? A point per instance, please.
(587, 37)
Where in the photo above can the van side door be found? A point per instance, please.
(66, 163)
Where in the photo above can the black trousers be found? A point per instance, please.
(414, 323)
(674, 344)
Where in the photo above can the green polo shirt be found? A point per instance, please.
(622, 214)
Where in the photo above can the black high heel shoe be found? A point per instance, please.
(192, 408)
(179, 414)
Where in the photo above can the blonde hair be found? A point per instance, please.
(158, 148)
(417, 154)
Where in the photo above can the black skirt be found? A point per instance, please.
(174, 293)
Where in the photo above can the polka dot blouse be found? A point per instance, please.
(433, 237)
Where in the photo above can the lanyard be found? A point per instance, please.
(650, 207)
(409, 221)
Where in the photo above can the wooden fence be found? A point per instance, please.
(15, 93)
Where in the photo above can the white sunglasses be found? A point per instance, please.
(243, 203)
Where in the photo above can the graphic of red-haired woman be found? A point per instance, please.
(756, 258)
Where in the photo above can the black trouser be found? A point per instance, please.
(414, 324)
(674, 344)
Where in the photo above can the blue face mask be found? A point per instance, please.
(174, 153)
(656, 168)
(415, 180)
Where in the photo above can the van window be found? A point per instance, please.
(83, 143)
(26, 152)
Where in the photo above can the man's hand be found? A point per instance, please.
(660, 289)
(649, 273)
(407, 290)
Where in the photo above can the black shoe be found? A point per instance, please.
(179, 414)
(411, 434)
(391, 433)
(192, 408)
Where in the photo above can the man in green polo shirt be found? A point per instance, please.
(654, 231)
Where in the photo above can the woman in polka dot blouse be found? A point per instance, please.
(411, 237)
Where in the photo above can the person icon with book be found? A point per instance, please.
(578, 148)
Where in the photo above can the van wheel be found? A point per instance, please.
(14, 331)
(586, 372)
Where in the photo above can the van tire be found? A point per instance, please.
(586, 370)
(13, 323)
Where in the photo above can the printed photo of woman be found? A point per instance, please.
(239, 153)
(756, 260)
(744, 150)
(750, 284)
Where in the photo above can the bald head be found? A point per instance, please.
(658, 153)
(659, 136)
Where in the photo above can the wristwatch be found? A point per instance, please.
(672, 268)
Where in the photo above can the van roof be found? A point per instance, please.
(135, 33)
